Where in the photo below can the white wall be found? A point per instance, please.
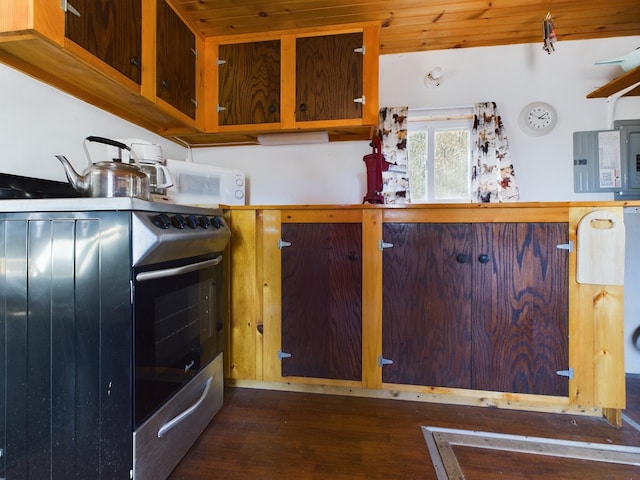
(37, 122)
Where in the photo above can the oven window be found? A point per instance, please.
(178, 323)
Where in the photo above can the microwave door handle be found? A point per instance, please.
(172, 272)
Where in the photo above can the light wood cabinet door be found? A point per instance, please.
(321, 300)
(175, 61)
(329, 77)
(110, 30)
(249, 83)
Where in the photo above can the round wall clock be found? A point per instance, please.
(538, 118)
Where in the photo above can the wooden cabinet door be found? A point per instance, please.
(175, 61)
(520, 308)
(426, 304)
(329, 77)
(111, 30)
(322, 300)
(249, 83)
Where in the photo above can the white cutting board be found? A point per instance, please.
(600, 249)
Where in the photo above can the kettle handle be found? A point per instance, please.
(108, 141)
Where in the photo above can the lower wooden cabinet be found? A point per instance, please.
(321, 300)
(480, 306)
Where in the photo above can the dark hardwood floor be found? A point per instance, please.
(260, 434)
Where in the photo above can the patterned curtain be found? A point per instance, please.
(392, 129)
(492, 177)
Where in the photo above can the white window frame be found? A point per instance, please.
(432, 121)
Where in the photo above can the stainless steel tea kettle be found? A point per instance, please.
(108, 178)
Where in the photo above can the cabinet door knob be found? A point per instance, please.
(303, 107)
(135, 61)
(272, 109)
(483, 258)
(352, 256)
(164, 83)
(462, 258)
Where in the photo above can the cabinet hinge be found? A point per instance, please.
(384, 361)
(195, 52)
(282, 355)
(220, 108)
(64, 5)
(566, 246)
(282, 244)
(220, 62)
(359, 100)
(361, 50)
(566, 373)
(382, 245)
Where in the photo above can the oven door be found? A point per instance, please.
(178, 317)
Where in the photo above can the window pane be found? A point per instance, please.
(451, 164)
(418, 165)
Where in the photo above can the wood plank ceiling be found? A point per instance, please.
(419, 25)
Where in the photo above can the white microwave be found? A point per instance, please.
(199, 184)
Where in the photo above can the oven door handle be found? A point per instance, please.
(179, 418)
(171, 272)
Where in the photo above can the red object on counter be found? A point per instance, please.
(376, 164)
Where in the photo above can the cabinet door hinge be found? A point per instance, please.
(359, 100)
(566, 246)
(220, 62)
(64, 5)
(282, 244)
(195, 52)
(566, 373)
(384, 361)
(361, 50)
(220, 108)
(382, 245)
(282, 355)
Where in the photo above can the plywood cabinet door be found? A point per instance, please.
(109, 30)
(249, 83)
(481, 306)
(322, 300)
(329, 77)
(520, 308)
(426, 305)
(175, 61)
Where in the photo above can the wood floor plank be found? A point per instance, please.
(265, 435)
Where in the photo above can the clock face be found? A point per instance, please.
(538, 118)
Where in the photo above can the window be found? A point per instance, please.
(440, 158)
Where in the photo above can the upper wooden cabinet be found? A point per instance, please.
(112, 31)
(299, 80)
(175, 61)
(106, 57)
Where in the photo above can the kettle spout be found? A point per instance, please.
(77, 181)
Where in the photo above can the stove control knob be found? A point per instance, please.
(216, 222)
(192, 221)
(204, 221)
(178, 221)
(161, 221)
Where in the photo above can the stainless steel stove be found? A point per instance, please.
(113, 332)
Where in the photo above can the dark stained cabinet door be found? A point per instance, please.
(481, 306)
(175, 61)
(329, 77)
(520, 308)
(110, 30)
(426, 305)
(322, 300)
(249, 83)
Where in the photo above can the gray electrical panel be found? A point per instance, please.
(608, 160)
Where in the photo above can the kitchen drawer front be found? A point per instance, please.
(161, 442)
